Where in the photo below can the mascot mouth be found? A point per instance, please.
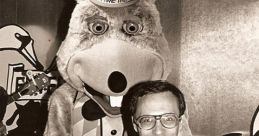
(109, 104)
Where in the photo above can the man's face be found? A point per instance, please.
(157, 104)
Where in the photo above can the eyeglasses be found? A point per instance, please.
(147, 122)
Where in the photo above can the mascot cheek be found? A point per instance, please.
(73, 75)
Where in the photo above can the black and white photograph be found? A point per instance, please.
(129, 67)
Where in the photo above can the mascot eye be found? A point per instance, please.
(98, 28)
(132, 28)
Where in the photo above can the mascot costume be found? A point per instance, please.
(110, 46)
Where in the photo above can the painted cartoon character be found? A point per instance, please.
(25, 83)
(110, 46)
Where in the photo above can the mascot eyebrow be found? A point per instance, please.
(94, 17)
(136, 12)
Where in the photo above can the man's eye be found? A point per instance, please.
(170, 119)
(132, 28)
(98, 27)
(146, 120)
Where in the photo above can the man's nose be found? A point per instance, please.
(158, 129)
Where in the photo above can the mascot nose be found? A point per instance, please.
(117, 82)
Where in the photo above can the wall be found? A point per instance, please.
(219, 70)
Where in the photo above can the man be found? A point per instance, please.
(154, 107)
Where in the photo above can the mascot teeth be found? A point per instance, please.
(115, 101)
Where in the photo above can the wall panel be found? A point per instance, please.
(220, 64)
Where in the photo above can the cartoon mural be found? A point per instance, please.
(27, 85)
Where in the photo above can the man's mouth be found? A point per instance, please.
(109, 104)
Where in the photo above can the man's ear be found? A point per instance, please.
(134, 125)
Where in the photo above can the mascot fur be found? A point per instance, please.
(109, 47)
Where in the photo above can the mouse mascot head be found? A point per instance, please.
(110, 49)
(110, 46)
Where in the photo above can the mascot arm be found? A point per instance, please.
(60, 109)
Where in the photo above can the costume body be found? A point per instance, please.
(64, 105)
(106, 51)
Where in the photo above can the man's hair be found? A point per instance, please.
(130, 100)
